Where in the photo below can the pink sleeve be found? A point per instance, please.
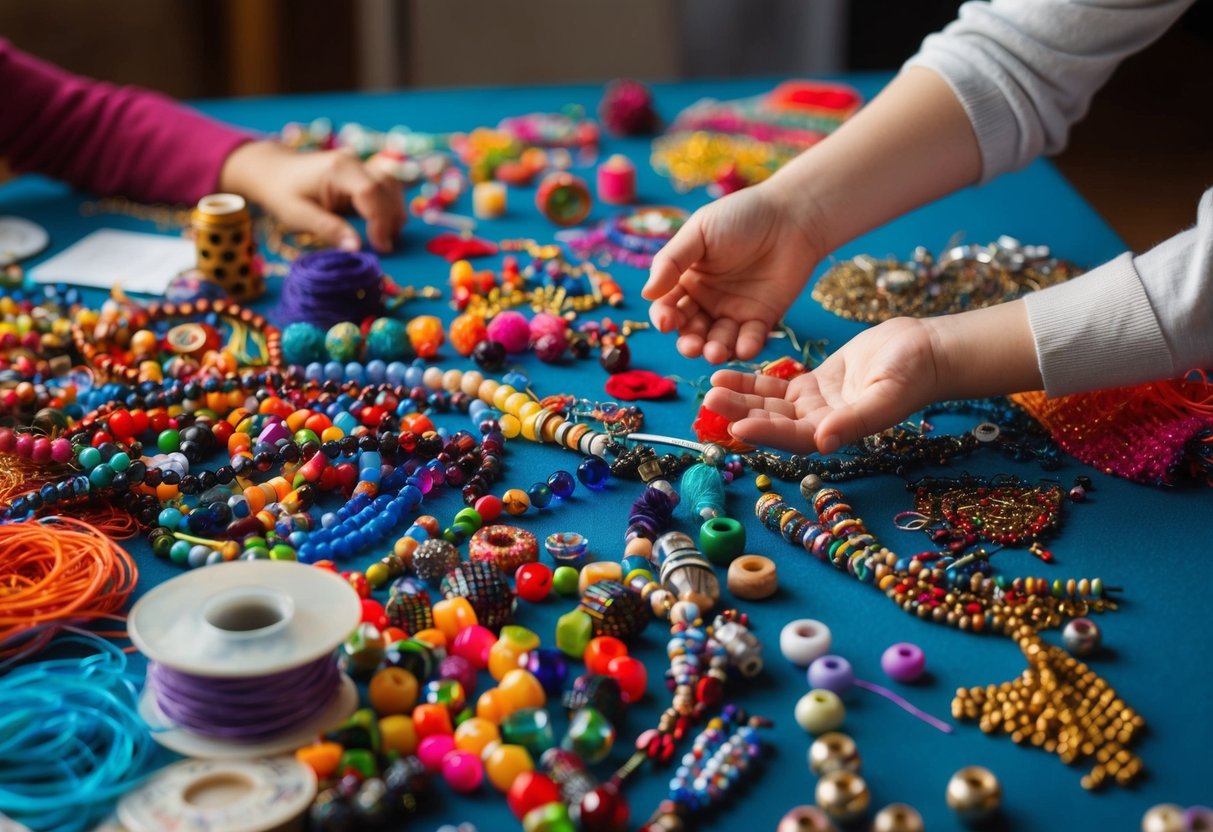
(105, 139)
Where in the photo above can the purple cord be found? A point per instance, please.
(934, 722)
(245, 709)
(326, 287)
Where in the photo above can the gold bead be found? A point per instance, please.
(843, 795)
(898, 817)
(1165, 817)
(833, 751)
(974, 793)
(805, 819)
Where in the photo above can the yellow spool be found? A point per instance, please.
(226, 250)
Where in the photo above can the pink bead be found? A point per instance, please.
(474, 643)
(545, 323)
(463, 771)
(903, 662)
(7, 439)
(61, 450)
(432, 750)
(41, 452)
(511, 330)
(24, 446)
(617, 181)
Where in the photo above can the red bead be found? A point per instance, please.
(100, 438)
(223, 431)
(121, 424)
(489, 507)
(710, 691)
(631, 675)
(603, 809)
(530, 790)
(373, 613)
(359, 582)
(600, 651)
(534, 581)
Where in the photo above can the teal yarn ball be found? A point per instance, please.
(343, 341)
(388, 340)
(303, 343)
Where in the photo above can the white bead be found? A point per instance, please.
(451, 380)
(432, 378)
(820, 711)
(803, 640)
(471, 382)
(598, 445)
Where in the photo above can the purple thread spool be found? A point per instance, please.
(330, 286)
(903, 662)
(832, 673)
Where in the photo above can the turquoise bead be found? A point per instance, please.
(179, 553)
(120, 461)
(531, 728)
(89, 458)
(101, 476)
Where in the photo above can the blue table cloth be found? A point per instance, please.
(1151, 541)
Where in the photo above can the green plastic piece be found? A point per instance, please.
(573, 632)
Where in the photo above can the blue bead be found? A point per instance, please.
(516, 379)
(395, 373)
(169, 517)
(314, 372)
(540, 494)
(413, 376)
(354, 372)
(376, 371)
(594, 472)
(333, 371)
(562, 484)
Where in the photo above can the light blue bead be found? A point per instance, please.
(354, 371)
(476, 408)
(413, 376)
(214, 558)
(198, 555)
(517, 380)
(328, 519)
(314, 372)
(376, 371)
(333, 371)
(169, 517)
(395, 373)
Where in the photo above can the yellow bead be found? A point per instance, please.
(529, 409)
(452, 615)
(493, 706)
(475, 734)
(488, 389)
(505, 763)
(501, 395)
(514, 403)
(397, 734)
(601, 570)
(528, 427)
(516, 501)
(332, 434)
(521, 689)
(393, 690)
(510, 425)
(514, 643)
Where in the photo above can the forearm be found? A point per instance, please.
(912, 144)
(105, 139)
(985, 352)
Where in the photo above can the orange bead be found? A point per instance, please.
(603, 570)
(391, 635)
(600, 651)
(393, 690)
(504, 763)
(295, 420)
(462, 273)
(493, 706)
(466, 332)
(433, 637)
(452, 615)
(166, 492)
(432, 719)
(426, 335)
(430, 524)
(522, 690)
(318, 423)
(510, 647)
(475, 734)
(322, 758)
(255, 497)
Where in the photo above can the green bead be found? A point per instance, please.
(464, 527)
(281, 551)
(469, 516)
(255, 543)
(120, 461)
(573, 632)
(591, 735)
(359, 759)
(169, 441)
(180, 553)
(360, 731)
(531, 728)
(552, 817)
(721, 539)
(89, 458)
(162, 544)
(305, 435)
(255, 554)
(463, 716)
(565, 581)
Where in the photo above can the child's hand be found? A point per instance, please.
(307, 191)
(873, 382)
(730, 273)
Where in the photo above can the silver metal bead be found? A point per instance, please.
(714, 454)
(1081, 636)
(974, 793)
(742, 647)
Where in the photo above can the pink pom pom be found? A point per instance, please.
(511, 330)
(627, 109)
(545, 323)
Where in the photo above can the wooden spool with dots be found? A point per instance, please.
(227, 253)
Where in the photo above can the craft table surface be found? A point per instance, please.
(1151, 541)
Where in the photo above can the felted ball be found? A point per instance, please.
(387, 340)
(425, 333)
(466, 331)
(343, 341)
(511, 330)
(303, 343)
(627, 109)
(545, 323)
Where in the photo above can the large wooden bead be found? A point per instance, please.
(752, 578)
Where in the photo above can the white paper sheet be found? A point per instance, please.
(142, 263)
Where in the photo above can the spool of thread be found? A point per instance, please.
(330, 286)
(227, 252)
(489, 200)
(241, 659)
(222, 796)
(617, 181)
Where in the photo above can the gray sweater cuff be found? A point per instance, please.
(1098, 330)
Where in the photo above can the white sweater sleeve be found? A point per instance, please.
(1133, 319)
(1025, 70)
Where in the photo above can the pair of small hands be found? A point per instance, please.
(725, 280)
(310, 191)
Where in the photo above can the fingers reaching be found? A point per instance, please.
(685, 249)
(302, 214)
(376, 196)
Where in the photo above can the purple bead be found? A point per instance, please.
(1197, 818)
(550, 667)
(460, 670)
(903, 662)
(562, 484)
(832, 673)
(273, 432)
